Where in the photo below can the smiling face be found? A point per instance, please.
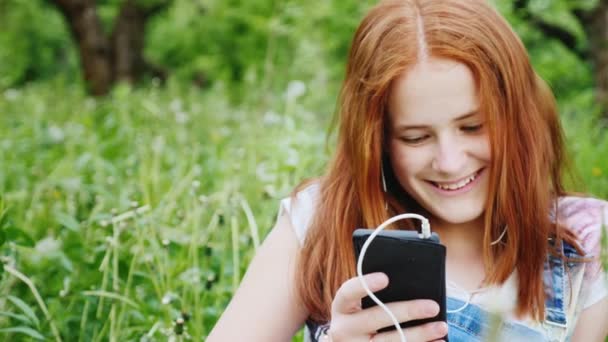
(438, 144)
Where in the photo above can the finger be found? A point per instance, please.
(348, 297)
(375, 318)
(426, 332)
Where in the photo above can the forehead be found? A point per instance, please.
(433, 92)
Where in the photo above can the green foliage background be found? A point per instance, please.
(207, 164)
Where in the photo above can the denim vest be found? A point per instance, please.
(562, 282)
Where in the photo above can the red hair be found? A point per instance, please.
(525, 136)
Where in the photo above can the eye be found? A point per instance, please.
(414, 140)
(472, 128)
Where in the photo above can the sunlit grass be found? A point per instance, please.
(134, 217)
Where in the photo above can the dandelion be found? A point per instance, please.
(11, 94)
(191, 276)
(176, 105)
(148, 258)
(271, 118)
(295, 89)
(596, 171)
(264, 174)
(90, 104)
(179, 326)
(224, 131)
(292, 157)
(168, 298)
(270, 191)
(181, 117)
(196, 184)
(109, 240)
(6, 144)
(48, 246)
(56, 134)
(66, 287)
(210, 280)
(158, 144)
(7, 260)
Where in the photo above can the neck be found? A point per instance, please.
(464, 241)
(464, 259)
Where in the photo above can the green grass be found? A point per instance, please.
(205, 176)
(124, 215)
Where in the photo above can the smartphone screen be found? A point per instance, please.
(415, 267)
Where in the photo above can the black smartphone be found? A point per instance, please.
(415, 267)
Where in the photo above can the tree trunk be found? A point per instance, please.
(597, 30)
(81, 17)
(119, 57)
(128, 42)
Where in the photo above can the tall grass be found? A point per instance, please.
(134, 217)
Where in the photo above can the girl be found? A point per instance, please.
(440, 104)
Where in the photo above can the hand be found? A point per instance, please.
(351, 323)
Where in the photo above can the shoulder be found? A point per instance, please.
(301, 207)
(586, 217)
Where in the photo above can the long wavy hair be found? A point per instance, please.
(526, 139)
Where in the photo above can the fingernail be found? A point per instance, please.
(378, 279)
(441, 328)
(432, 309)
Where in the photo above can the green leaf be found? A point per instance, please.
(19, 237)
(2, 237)
(111, 295)
(24, 330)
(27, 310)
(3, 213)
(67, 221)
(18, 317)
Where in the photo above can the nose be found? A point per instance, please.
(449, 156)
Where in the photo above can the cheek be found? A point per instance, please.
(406, 162)
(483, 149)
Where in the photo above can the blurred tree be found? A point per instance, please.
(590, 16)
(118, 56)
(34, 44)
(597, 31)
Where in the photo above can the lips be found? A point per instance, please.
(458, 184)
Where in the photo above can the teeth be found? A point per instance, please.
(458, 185)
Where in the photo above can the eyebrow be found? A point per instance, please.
(459, 118)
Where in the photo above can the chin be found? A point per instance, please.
(457, 217)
